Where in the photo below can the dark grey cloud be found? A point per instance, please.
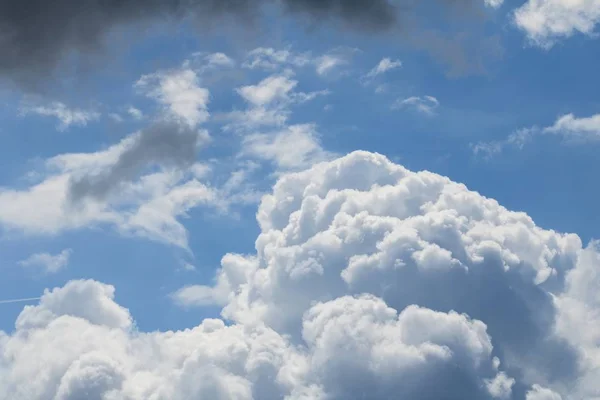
(37, 36)
(164, 143)
(371, 14)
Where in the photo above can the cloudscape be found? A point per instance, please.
(299, 200)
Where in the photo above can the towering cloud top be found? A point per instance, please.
(369, 281)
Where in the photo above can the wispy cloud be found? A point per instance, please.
(269, 102)
(219, 60)
(49, 263)
(423, 104)
(268, 58)
(334, 60)
(145, 184)
(65, 115)
(294, 147)
(385, 65)
(570, 128)
(135, 112)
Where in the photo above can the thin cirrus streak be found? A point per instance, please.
(19, 300)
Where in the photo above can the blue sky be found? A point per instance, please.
(529, 86)
(512, 112)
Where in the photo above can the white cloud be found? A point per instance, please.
(149, 206)
(132, 111)
(294, 147)
(235, 270)
(540, 393)
(424, 104)
(587, 128)
(276, 92)
(90, 349)
(494, 3)
(42, 208)
(219, 60)
(570, 128)
(334, 61)
(158, 218)
(385, 65)
(270, 59)
(500, 387)
(578, 319)
(327, 63)
(113, 188)
(269, 102)
(517, 139)
(196, 295)
(49, 263)
(142, 186)
(403, 236)
(547, 21)
(66, 116)
(179, 92)
(369, 281)
(271, 89)
(135, 112)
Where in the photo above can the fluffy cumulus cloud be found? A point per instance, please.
(540, 393)
(180, 93)
(271, 89)
(90, 349)
(546, 21)
(369, 281)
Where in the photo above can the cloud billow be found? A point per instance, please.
(369, 281)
